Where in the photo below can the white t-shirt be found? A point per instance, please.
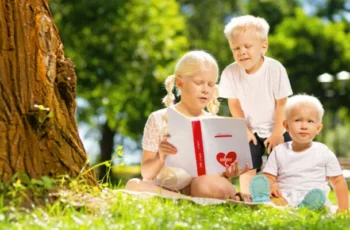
(257, 92)
(302, 171)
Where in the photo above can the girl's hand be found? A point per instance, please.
(276, 192)
(273, 141)
(233, 170)
(166, 148)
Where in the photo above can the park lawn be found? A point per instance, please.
(110, 209)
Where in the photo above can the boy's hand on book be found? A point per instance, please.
(234, 170)
(166, 148)
(272, 141)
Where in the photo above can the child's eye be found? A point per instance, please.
(236, 48)
(297, 120)
(211, 84)
(310, 121)
(247, 46)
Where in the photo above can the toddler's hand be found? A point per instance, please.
(166, 148)
(233, 170)
(251, 137)
(272, 141)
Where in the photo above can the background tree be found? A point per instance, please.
(123, 51)
(38, 132)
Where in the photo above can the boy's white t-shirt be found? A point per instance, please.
(257, 92)
(302, 171)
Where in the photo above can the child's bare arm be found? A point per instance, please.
(277, 135)
(341, 191)
(152, 162)
(237, 112)
(274, 189)
(235, 108)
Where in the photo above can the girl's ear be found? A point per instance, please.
(178, 83)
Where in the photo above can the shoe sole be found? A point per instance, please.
(314, 199)
(259, 185)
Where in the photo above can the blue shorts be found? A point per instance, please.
(257, 151)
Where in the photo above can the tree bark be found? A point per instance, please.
(38, 131)
(107, 148)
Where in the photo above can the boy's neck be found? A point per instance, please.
(300, 147)
(261, 62)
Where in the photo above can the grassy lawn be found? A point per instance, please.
(115, 210)
(83, 207)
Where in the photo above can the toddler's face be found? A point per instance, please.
(248, 49)
(197, 90)
(303, 124)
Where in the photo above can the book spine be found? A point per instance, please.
(198, 147)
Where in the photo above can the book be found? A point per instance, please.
(205, 145)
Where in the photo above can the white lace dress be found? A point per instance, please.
(169, 177)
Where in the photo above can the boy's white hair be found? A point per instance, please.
(242, 23)
(303, 99)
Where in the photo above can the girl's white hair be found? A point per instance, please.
(188, 65)
(242, 23)
(304, 99)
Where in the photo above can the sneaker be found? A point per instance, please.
(314, 199)
(260, 189)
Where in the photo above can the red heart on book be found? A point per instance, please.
(226, 159)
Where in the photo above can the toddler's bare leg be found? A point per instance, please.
(143, 186)
(212, 186)
(244, 181)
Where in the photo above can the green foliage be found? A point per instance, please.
(308, 47)
(272, 11)
(123, 50)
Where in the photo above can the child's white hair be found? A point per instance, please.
(191, 63)
(304, 99)
(242, 23)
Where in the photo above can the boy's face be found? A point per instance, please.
(247, 49)
(303, 124)
(197, 90)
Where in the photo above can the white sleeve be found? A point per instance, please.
(226, 86)
(151, 135)
(332, 167)
(282, 87)
(271, 166)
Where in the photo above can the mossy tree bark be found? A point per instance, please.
(38, 131)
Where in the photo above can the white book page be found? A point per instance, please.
(225, 139)
(180, 130)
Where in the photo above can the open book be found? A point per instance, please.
(206, 144)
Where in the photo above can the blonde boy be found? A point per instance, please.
(257, 88)
(298, 171)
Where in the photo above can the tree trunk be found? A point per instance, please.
(38, 131)
(106, 146)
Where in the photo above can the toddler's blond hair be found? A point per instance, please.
(304, 99)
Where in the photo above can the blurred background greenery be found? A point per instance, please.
(124, 49)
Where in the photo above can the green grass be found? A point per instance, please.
(110, 209)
